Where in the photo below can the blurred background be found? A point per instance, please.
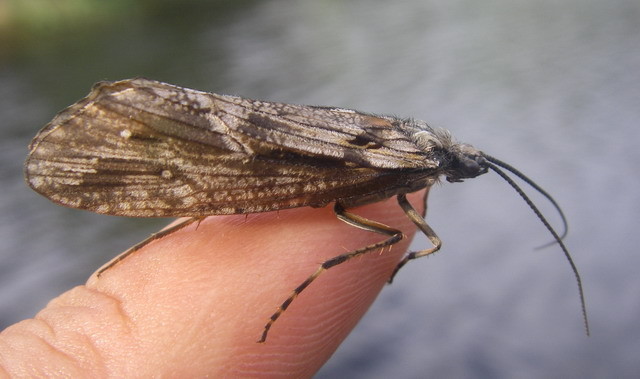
(551, 87)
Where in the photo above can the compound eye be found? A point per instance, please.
(470, 168)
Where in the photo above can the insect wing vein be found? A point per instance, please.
(142, 148)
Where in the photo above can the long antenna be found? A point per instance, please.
(533, 184)
(494, 166)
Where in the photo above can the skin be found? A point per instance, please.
(194, 303)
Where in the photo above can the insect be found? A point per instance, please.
(143, 148)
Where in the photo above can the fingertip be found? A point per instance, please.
(196, 301)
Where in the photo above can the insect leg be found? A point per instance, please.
(423, 226)
(150, 239)
(395, 236)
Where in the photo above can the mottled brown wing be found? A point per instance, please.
(142, 148)
(250, 126)
(363, 139)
